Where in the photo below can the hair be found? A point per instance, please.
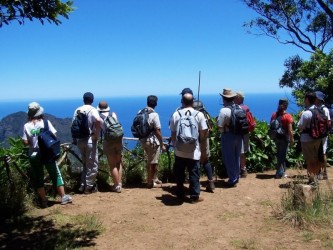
(311, 96)
(187, 100)
(40, 117)
(152, 101)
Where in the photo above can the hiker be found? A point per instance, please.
(320, 104)
(87, 144)
(231, 143)
(310, 146)
(204, 161)
(112, 148)
(239, 99)
(187, 147)
(282, 140)
(31, 131)
(153, 143)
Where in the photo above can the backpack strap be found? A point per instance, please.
(46, 125)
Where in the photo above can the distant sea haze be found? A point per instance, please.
(261, 105)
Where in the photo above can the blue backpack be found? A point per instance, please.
(140, 127)
(48, 144)
(80, 127)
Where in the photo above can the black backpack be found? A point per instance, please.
(238, 121)
(276, 131)
(140, 127)
(48, 144)
(80, 127)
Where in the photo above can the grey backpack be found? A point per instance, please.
(187, 134)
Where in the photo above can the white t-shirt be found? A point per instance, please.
(200, 118)
(31, 130)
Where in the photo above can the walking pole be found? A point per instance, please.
(199, 85)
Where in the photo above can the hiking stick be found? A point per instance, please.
(199, 85)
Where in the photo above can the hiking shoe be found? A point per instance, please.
(152, 185)
(325, 177)
(81, 189)
(90, 190)
(243, 173)
(157, 181)
(117, 188)
(194, 200)
(66, 199)
(320, 176)
(210, 186)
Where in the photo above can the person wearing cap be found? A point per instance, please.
(239, 99)
(320, 103)
(204, 161)
(88, 146)
(112, 149)
(310, 146)
(283, 141)
(189, 160)
(31, 131)
(231, 143)
(153, 144)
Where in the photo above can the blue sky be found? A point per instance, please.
(131, 47)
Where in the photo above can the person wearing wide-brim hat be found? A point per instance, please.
(112, 149)
(31, 130)
(231, 143)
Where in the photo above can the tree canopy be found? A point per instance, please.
(307, 24)
(19, 10)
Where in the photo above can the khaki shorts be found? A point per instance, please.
(310, 150)
(152, 151)
(112, 148)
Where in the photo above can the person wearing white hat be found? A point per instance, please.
(320, 100)
(31, 131)
(112, 149)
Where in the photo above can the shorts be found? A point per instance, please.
(310, 150)
(152, 151)
(113, 148)
(245, 143)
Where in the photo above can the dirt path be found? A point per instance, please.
(235, 218)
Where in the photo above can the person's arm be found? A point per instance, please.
(158, 134)
(290, 133)
(203, 134)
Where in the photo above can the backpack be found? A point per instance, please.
(113, 129)
(238, 120)
(318, 124)
(187, 134)
(198, 105)
(80, 127)
(331, 117)
(140, 127)
(249, 117)
(276, 131)
(48, 144)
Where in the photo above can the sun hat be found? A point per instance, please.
(103, 106)
(186, 91)
(240, 93)
(228, 93)
(88, 97)
(320, 95)
(35, 110)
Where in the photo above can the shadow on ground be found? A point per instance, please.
(41, 233)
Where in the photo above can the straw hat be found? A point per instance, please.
(228, 93)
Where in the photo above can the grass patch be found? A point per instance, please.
(54, 231)
(244, 244)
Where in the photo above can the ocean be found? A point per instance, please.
(261, 105)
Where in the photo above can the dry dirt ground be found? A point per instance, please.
(234, 218)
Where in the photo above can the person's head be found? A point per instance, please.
(88, 98)
(35, 111)
(320, 97)
(103, 107)
(198, 105)
(310, 98)
(152, 101)
(228, 95)
(283, 104)
(239, 99)
(187, 100)
(186, 91)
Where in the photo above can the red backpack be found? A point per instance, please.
(250, 118)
